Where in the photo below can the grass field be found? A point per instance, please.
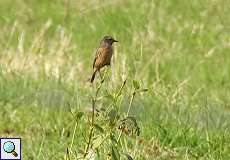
(179, 50)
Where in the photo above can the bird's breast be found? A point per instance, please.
(104, 57)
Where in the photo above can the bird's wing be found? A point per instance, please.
(94, 61)
(95, 58)
(98, 53)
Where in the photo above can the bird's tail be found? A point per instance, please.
(93, 76)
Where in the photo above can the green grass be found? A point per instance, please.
(178, 49)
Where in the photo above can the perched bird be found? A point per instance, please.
(103, 55)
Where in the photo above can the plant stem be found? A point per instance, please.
(67, 5)
(119, 92)
(127, 114)
(67, 154)
(131, 102)
(94, 99)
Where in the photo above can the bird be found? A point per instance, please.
(103, 55)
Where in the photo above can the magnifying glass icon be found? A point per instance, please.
(9, 147)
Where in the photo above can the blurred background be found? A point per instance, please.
(178, 49)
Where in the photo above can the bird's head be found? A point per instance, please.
(108, 39)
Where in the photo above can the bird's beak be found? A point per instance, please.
(115, 40)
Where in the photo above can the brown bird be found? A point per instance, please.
(103, 55)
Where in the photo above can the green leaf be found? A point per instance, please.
(144, 90)
(97, 142)
(113, 139)
(79, 115)
(115, 153)
(129, 126)
(110, 95)
(136, 84)
(99, 128)
(112, 115)
(128, 156)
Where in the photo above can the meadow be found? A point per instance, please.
(177, 51)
